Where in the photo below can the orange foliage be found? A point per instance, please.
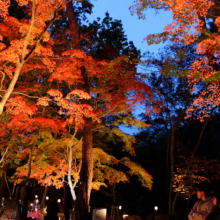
(190, 26)
(44, 105)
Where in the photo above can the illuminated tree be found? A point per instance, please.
(50, 93)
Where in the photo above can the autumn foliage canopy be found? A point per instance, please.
(194, 22)
(42, 89)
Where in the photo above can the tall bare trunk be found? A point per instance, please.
(172, 144)
(86, 173)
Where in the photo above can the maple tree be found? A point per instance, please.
(50, 164)
(73, 92)
(110, 96)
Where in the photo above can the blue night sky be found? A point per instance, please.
(135, 29)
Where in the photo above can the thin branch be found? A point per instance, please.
(44, 81)
(202, 131)
(6, 152)
(29, 32)
(79, 169)
(29, 164)
(3, 78)
(108, 112)
(34, 97)
(41, 35)
(70, 165)
(60, 153)
(20, 93)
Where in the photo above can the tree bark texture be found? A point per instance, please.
(86, 173)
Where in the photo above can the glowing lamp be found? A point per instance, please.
(59, 200)
(47, 198)
(119, 207)
(31, 204)
(125, 216)
(156, 208)
(36, 196)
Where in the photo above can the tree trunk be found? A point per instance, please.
(86, 173)
(43, 204)
(174, 202)
(2, 180)
(17, 196)
(70, 168)
(175, 126)
(171, 169)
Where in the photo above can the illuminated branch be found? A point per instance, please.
(29, 32)
(24, 58)
(70, 166)
(5, 152)
(3, 77)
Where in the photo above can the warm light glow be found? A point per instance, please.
(59, 200)
(36, 196)
(155, 208)
(47, 198)
(31, 204)
(59, 218)
(45, 210)
(125, 216)
(120, 207)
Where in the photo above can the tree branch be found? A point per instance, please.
(3, 78)
(202, 131)
(29, 32)
(70, 165)
(24, 58)
(6, 152)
